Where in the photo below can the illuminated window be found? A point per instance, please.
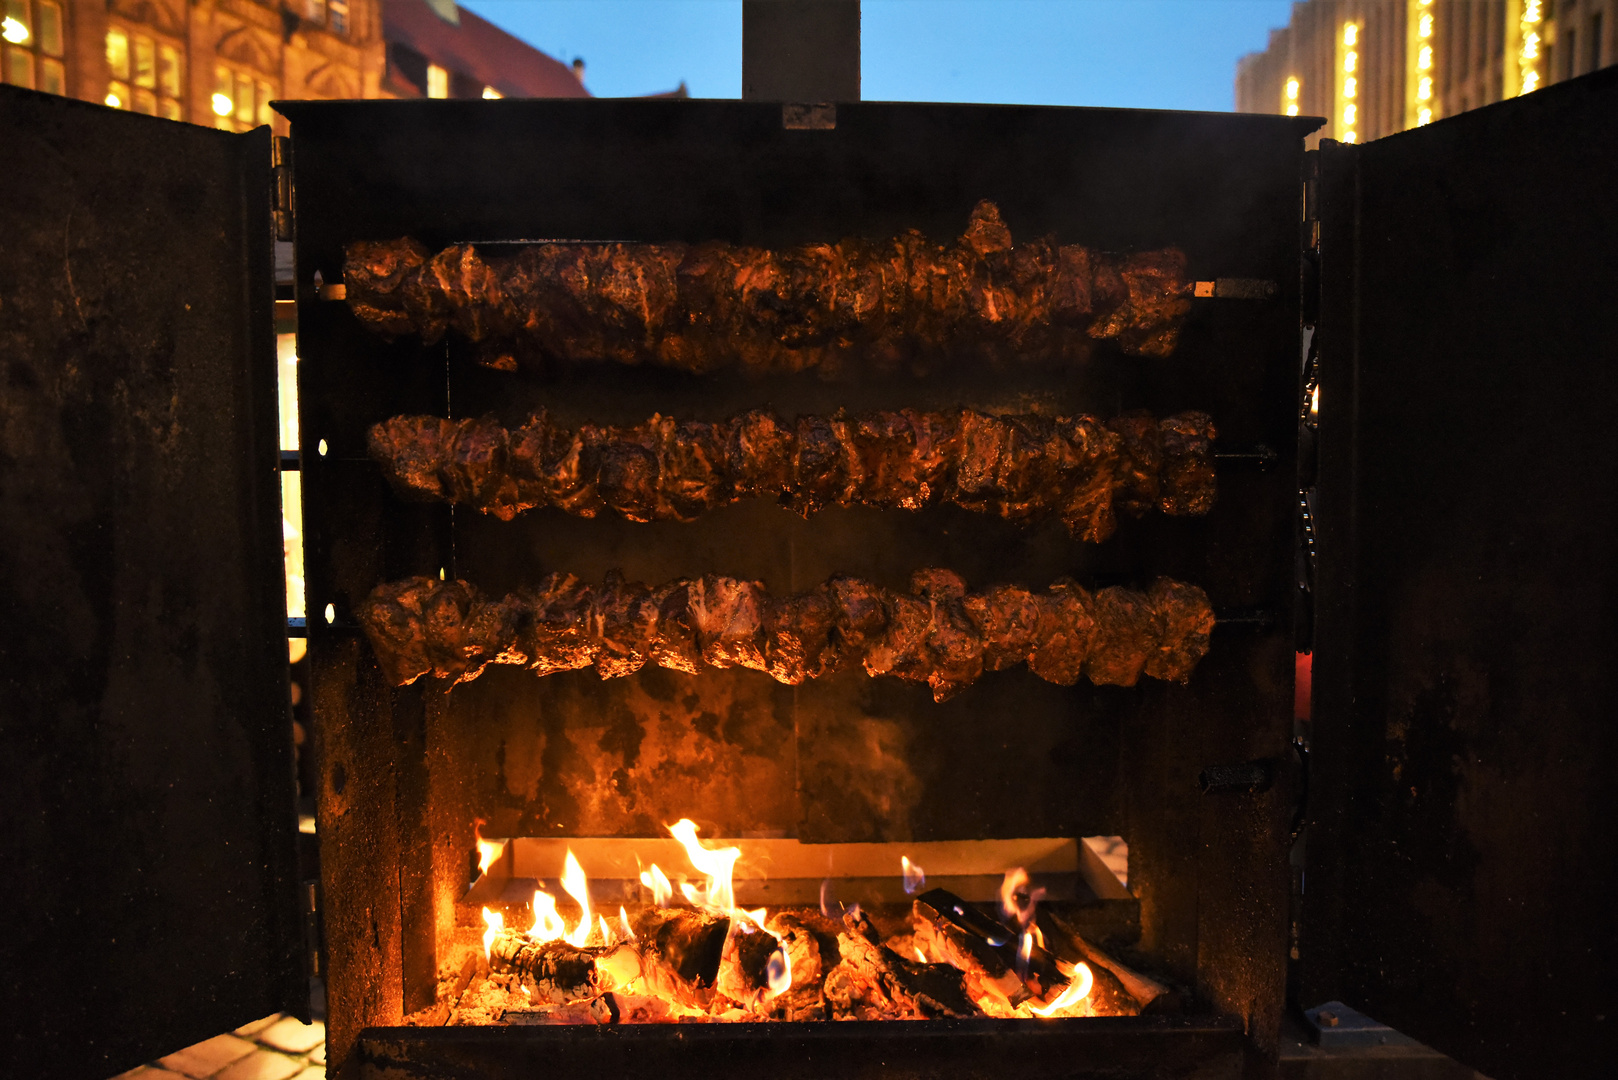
(18, 26)
(170, 75)
(49, 28)
(240, 100)
(437, 82)
(1289, 103)
(1347, 82)
(32, 32)
(1528, 46)
(315, 10)
(1420, 63)
(147, 74)
(144, 54)
(490, 93)
(337, 16)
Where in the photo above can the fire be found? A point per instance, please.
(718, 864)
(718, 894)
(915, 878)
(1078, 988)
(495, 923)
(658, 882)
(578, 888)
(488, 850)
(623, 920)
(548, 923)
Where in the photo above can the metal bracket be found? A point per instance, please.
(1235, 288)
(281, 185)
(810, 116)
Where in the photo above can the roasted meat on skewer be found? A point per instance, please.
(712, 305)
(1020, 467)
(937, 633)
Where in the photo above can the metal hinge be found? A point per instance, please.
(281, 185)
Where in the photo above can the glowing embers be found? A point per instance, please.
(682, 948)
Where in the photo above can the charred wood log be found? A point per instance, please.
(680, 953)
(1119, 989)
(744, 968)
(938, 633)
(557, 972)
(871, 982)
(1024, 468)
(945, 937)
(888, 304)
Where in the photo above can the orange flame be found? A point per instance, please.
(573, 880)
(495, 923)
(718, 894)
(548, 922)
(623, 920)
(658, 882)
(488, 850)
(1082, 979)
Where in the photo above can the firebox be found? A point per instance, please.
(753, 562)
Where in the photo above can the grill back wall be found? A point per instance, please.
(404, 771)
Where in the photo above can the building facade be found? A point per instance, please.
(1375, 67)
(221, 62)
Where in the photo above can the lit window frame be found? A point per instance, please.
(24, 58)
(1421, 63)
(1349, 75)
(227, 110)
(125, 91)
(1526, 26)
(1291, 95)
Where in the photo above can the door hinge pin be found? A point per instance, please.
(281, 185)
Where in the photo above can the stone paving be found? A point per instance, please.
(274, 1048)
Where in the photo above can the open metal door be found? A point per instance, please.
(147, 852)
(1462, 855)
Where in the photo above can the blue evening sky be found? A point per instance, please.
(1156, 54)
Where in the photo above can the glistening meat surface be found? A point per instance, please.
(880, 305)
(938, 633)
(1021, 467)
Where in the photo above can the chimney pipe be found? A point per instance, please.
(801, 50)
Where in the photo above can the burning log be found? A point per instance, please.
(1023, 468)
(938, 633)
(874, 983)
(744, 969)
(945, 935)
(711, 305)
(1119, 989)
(680, 953)
(557, 972)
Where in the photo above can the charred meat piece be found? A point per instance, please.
(1184, 621)
(560, 636)
(1188, 485)
(1007, 619)
(675, 646)
(1126, 636)
(624, 619)
(760, 455)
(1140, 463)
(1021, 467)
(798, 636)
(859, 616)
(938, 633)
(1068, 621)
(882, 303)
(728, 616)
(374, 275)
(820, 467)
